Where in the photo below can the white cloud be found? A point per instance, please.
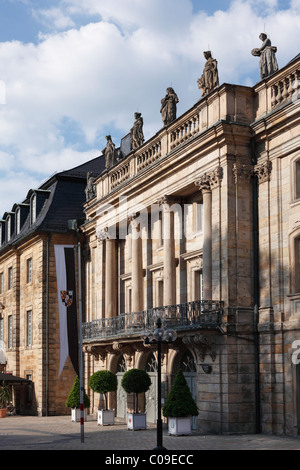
(65, 93)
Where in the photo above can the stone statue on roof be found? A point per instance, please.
(90, 190)
(109, 153)
(136, 132)
(168, 107)
(210, 76)
(267, 63)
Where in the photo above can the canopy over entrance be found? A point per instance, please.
(12, 379)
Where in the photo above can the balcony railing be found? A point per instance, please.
(187, 316)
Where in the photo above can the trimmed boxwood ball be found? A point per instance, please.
(103, 381)
(73, 400)
(136, 381)
(180, 402)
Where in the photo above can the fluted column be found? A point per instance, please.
(137, 267)
(207, 243)
(110, 279)
(169, 252)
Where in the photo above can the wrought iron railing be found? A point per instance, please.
(197, 314)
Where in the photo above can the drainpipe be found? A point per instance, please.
(47, 324)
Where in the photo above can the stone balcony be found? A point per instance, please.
(202, 314)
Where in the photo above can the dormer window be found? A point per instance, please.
(1, 234)
(33, 209)
(8, 225)
(18, 221)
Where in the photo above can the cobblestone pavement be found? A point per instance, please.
(59, 433)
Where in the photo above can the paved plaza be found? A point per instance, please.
(59, 433)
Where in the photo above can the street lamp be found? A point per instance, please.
(160, 335)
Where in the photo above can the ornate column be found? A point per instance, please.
(204, 185)
(169, 251)
(137, 267)
(110, 278)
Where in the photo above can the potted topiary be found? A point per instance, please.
(180, 407)
(136, 381)
(73, 401)
(4, 399)
(103, 382)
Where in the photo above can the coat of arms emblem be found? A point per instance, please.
(66, 297)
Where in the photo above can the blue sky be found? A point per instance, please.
(71, 71)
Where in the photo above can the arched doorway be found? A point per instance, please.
(151, 394)
(188, 366)
(121, 394)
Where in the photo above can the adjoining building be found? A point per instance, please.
(29, 319)
(201, 225)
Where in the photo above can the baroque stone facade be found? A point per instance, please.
(204, 231)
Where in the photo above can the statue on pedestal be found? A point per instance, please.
(109, 153)
(136, 132)
(168, 106)
(210, 77)
(90, 190)
(268, 63)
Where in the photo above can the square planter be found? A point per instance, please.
(75, 415)
(136, 421)
(179, 426)
(106, 417)
(3, 412)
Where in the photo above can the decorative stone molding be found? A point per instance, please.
(211, 180)
(242, 172)
(263, 171)
(97, 351)
(202, 344)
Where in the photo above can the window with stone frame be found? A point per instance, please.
(297, 179)
(10, 278)
(29, 270)
(297, 264)
(1, 283)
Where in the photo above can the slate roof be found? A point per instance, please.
(62, 197)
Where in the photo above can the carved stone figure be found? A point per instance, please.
(136, 133)
(90, 190)
(210, 76)
(268, 63)
(109, 153)
(168, 106)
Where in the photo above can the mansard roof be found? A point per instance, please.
(58, 199)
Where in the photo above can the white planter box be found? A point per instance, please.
(136, 421)
(75, 416)
(180, 426)
(106, 417)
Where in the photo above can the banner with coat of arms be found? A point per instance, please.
(66, 287)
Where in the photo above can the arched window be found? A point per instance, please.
(187, 363)
(151, 365)
(121, 366)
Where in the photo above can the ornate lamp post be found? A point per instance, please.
(160, 335)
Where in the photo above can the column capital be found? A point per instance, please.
(210, 180)
(242, 171)
(263, 171)
(168, 200)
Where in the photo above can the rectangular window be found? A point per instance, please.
(1, 283)
(29, 328)
(198, 287)
(297, 171)
(10, 278)
(8, 228)
(297, 265)
(10, 332)
(1, 333)
(198, 216)
(18, 221)
(29, 270)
